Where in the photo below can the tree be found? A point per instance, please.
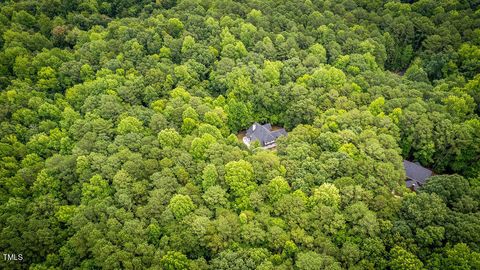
(325, 77)
(404, 260)
(169, 138)
(416, 73)
(188, 125)
(215, 196)
(248, 32)
(317, 55)
(95, 188)
(311, 260)
(301, 112)
(181, 205)
(209, 176)
(460, 256)
(451, 188)
(174, 260)
(239, 115)
(272, 70)
(129, 124)
(200, 145)
(239, 178)
(277, 187)
(188, 44)
(326, 194)
(47, 79)
(376, 107)
(252, 258)
(423, 209)
(174, 27)
(470, 56)
(24, 18)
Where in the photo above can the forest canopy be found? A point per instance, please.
(119, 123)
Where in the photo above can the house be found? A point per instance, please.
(416, 174)
(263, 134)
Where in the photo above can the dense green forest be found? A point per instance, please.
(119, 123)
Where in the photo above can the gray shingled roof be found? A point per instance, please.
(267, 126)
(279, 132)
(263, 133)
(416, 174)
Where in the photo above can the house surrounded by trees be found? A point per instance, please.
(263, 134)
(416, 174)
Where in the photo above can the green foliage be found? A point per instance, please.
(470, 57)
(129, 124)
(310, 260)
(174, 261)
(239, 177)
(174, 27)
(239, 115)
(327, 194)
(169, 138)
(209, 176)
(376, 107)
(181, 205)
(277, 187)
(120, 123)
(451, 188)
(200, 145)
(402, 259)
(95, 188)
(460, 256)
(416, 73)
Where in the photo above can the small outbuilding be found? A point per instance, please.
(416, 174)
(263, 134)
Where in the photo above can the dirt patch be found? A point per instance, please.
(241, 135)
